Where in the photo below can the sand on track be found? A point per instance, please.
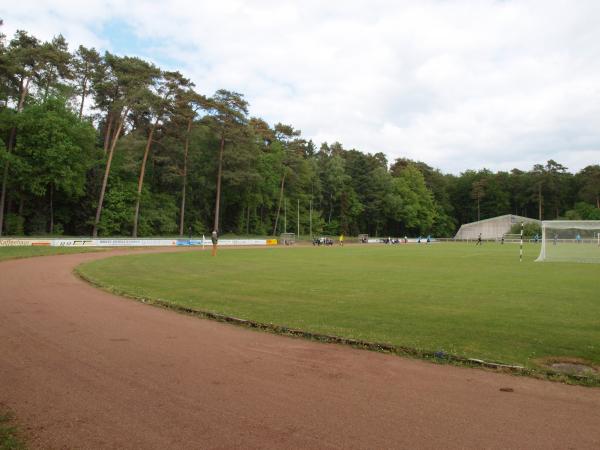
(82, 368)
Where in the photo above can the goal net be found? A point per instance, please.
(570, 241)
(287, 239)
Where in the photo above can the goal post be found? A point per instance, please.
(570, 241)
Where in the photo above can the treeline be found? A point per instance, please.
(110, 145)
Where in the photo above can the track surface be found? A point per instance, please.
(85, 369)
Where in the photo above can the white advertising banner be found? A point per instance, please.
(72, 243)
(134, 242)
(222, 242)
(242, 242)
(83, 242)
(24, 242)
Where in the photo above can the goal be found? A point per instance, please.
(287, 239)
(570, 241)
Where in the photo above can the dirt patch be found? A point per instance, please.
(578, 369)
(570, 366)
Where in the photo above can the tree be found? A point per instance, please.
(284, 134)
(170, 87)
(55, 67)
(54, 151)
(229, 114)
(549, 183)
(441, 186)
(410, 202)
(85, 64)
(588, 181)
(188, 104)
(21, 67)
(128, 78)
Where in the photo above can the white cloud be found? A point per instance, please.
(457, 84)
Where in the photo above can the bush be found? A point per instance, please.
(530, 229)
(15, 225)
(158, 215)
(199, 228)
(583, 211)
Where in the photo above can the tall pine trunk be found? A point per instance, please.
(248, 221)
(24, 86)
(106, 173)
(183, 188)
(51, 208)
(219, 174)
(141, 180)
(83, 94)
(279, 204)
(107, 132)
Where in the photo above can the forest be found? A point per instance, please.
(108, 145)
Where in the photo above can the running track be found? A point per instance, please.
(85, 369)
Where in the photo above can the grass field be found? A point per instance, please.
(27, 252)
(9, 436)
(478, 302)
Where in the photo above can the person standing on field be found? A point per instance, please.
(214, 237)
(342, 240)
(479, 241)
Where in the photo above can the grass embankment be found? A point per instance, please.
(479, 302)
(9, 436)
(28, 252)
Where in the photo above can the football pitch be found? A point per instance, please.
(462, 299)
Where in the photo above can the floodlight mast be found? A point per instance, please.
(310, 220)
(285, 215)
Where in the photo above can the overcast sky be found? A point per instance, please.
(456, 84)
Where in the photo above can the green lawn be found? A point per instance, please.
(9, 436)
(27, 252)
(478, 302)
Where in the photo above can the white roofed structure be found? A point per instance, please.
(493, 228)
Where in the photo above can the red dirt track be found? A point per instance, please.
(82, 368)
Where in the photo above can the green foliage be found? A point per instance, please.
(15, 225)
(57, 164)
(328, 228)
(158, 215)
(9, 436)
(199, 228)
(583, 211)
(118, 209)
(530, 229)
(53, 148)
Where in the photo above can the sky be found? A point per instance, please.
(494, 84)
